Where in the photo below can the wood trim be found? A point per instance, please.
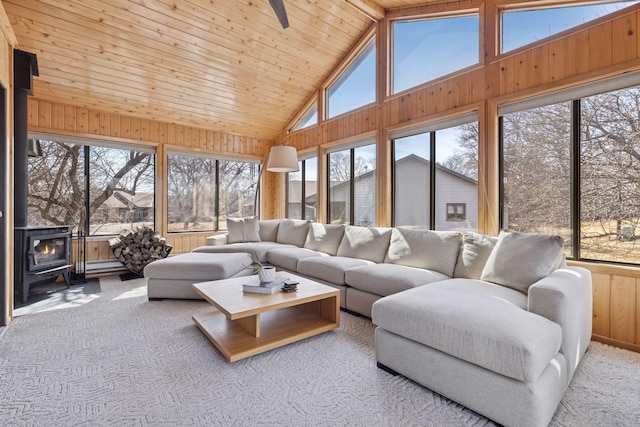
(369, 8)
(616, 343)
(7, 29)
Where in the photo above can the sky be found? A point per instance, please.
(429, 48)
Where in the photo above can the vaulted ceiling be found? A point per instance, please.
(222, 65)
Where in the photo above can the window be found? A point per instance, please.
(119, 191)
(204, 191)
(422, 196)
(456, 211)
(302, 194)
(191, 185)
(537, 199)
(310, 118)
(352, 186)
(356, 86)
(585, 185)
(237, 183)
(425, 49)
(521, 27)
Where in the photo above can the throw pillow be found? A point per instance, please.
(519, 260)
(293, 232)
(370, 243)
(269, 229)
(242, 230)
(474, 254)
(420, 248)
(324, 237)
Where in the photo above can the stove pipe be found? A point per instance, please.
(25, 66)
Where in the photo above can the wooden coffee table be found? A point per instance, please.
(246, 324)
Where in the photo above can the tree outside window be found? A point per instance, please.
(119, 191)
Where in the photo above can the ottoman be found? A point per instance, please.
(172, 277)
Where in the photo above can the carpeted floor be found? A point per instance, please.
(114, 358)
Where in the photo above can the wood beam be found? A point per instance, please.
(370, 8)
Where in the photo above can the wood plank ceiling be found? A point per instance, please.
(222, 65)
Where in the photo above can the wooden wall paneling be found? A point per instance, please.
(104, 251)
(521, 64)
(163, 133)
(70, 118)
(453, 93)
(558, 59)
(125, 127)
(623, 308)
(600, 46)
(601, 303)
(57, 116)
(105, 124)
(624, 38)
(134, 128)
(441, 96)
(82, 120)
(93, 122)
(44, 114)
(578, 55)
(114, 125)
(539, 69)
(507, 75)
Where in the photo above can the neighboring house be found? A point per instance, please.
(124, 207)
(456, 197)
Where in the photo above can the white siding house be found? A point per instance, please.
(456, 197)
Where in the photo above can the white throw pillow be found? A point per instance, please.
(242, 230)
(519, 259)
(370, 243)
(474, 254)
(428, 249)
(269, 229)
(324, 237)
(293, 232)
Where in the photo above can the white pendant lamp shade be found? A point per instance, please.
(283, 159)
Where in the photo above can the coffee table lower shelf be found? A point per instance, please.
(236, 339)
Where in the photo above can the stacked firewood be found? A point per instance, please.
(136, 249)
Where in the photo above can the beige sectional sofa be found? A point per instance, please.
(496, 324)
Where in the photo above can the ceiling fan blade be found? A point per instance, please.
(281, 13)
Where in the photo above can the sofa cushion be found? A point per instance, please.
(479, 322)
(474, 254)
(242, 230)
(432, 250)
(293, 232)
(368, 243)
(519, 259)
(330, 269)
(324, 237)
(258, 250)
(288, 258)
(387, 279)
(201, 267)
(269, 229)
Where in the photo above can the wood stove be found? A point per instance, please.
(41, 255)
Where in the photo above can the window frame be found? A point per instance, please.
(454, 217)
(303, 192)
(217, 159)
(390, 91)
(352, 147)
(619, 83)
(353, 56)
(86, 145)
(430, 128)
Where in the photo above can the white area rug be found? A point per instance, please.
(115, 358)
